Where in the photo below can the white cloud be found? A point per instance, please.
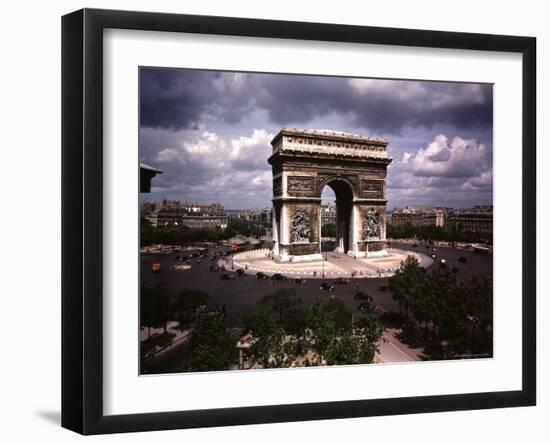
(459, 158)
(456, 172)
(206, 166)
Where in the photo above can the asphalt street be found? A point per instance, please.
(241, 295)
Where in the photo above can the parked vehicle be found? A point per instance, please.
(236, 248)
(342, 281)
(240, 272)
(261, 275)
(214, 269)
(227, 276)
(327, 287)
(279, 277)
(299, 281)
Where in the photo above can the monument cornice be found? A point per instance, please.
(296, 199)
(334, 157)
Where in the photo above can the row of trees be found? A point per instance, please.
(156, 307)
(450, 318)
(244, 227)
(437, 233)
(290, 333)
(211, 343)
(184, 235)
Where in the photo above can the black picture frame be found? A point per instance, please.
(82, 218)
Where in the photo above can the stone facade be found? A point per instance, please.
(303, 163)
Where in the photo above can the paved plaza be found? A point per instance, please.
(335, 264)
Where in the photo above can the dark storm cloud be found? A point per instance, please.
(380, 105)
(181, 98)
(177, 99)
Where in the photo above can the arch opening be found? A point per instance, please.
(337, 238)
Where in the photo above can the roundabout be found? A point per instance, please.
(334, 264)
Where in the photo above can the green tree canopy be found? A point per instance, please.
(187, 301)
(154, 309)
(211, 344)
(406, 285)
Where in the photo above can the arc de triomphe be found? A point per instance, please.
(303, 163)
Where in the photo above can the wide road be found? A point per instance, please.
(241, 295)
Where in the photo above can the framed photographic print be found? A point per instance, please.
(269, 221)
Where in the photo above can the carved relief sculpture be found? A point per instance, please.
(300, 183)
(301, 230)
(371, 224)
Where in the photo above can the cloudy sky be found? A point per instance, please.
(210, 133)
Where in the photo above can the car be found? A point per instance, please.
(327, 287)
(278, 277)
(240, 272)
(214, 269)
(227, 276)
(432, 255)
(261, 276)
(342, 281)
(299, 281)
(443, 261)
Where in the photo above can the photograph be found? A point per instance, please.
(300, 221)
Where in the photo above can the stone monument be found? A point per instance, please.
(303, 163)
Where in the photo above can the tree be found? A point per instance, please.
(188, 300)
(268, 332)
(441, 305)
(368, 328)
(211, 344)
(154, 308)
(326, 321)
(479, 312)
(245, 228)
(295, 324)
(280, 302)
(407, 283)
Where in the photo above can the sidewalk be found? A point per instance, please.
(391, 350)
(172, 327)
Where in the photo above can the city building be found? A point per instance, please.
(478, 219)
(419, 215)
(328, 215)
(193, 215)
(261, 215)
